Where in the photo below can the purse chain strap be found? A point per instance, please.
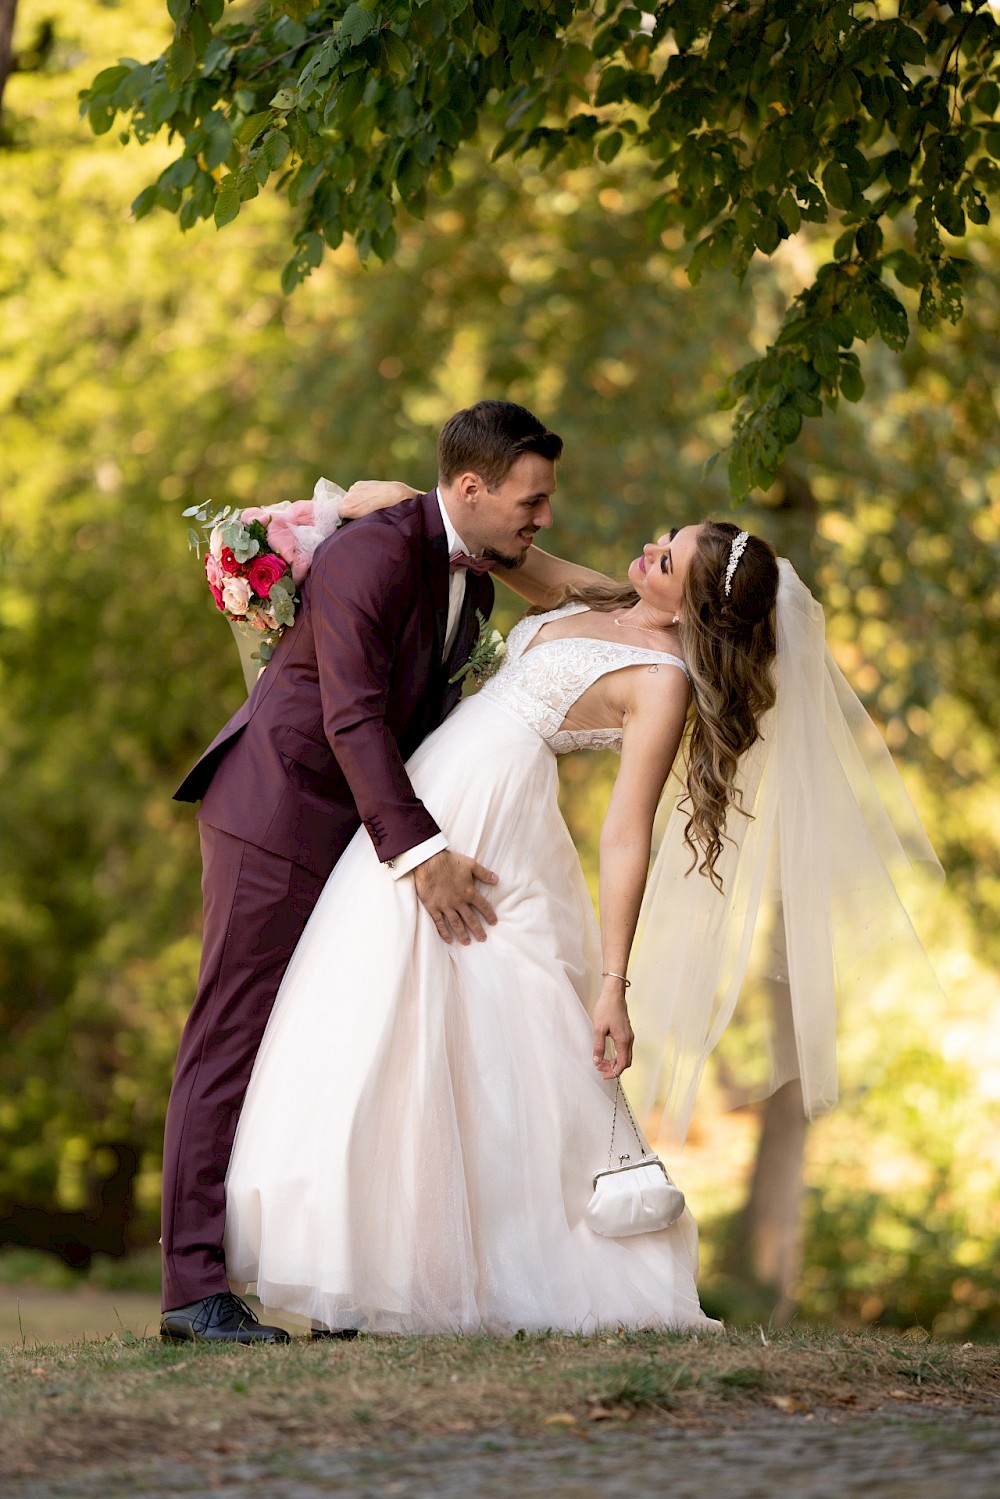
(620, 1094)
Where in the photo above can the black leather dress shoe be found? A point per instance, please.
(343, 1334)
(222, 1318)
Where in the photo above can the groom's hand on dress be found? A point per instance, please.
(446, 885)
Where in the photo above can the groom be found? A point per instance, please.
(388, 615)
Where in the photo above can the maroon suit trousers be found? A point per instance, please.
(256, 905)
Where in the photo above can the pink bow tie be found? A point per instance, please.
(477, 565)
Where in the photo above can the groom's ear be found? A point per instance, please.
(469, 488)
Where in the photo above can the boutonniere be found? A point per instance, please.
(486, 655)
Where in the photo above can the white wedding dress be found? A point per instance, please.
(419, 1137)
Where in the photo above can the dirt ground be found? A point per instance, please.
(897, 1454)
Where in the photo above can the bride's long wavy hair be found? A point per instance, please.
(729, 647)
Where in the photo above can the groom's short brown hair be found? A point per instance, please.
(488, 439)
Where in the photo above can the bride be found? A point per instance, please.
(417, 1145)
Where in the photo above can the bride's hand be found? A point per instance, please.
(611, 1019)
(373, 494)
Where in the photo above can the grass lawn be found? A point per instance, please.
(86, 1386)
(124, 1399)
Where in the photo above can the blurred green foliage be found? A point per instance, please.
(140, 374)
(138, 1271)
(741, 121)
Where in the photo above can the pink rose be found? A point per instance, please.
(227, 559)
(236, 596)
(213, 572)
(264, 571)
(295, 529)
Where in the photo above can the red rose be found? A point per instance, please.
(264, 571)
(217, 596)
(227, 559)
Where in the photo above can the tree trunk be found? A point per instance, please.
(8, 9)
(771, 1218)
(763, 1257)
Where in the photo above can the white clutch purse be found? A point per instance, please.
(636, 1196)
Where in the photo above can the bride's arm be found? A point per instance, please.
(541, 579)
(654, 725)
(366, 495)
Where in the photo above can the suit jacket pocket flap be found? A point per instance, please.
(315, 754)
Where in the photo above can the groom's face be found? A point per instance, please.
(508, 517)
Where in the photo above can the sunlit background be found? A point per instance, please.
(142, 371)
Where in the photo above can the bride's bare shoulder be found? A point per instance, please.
(656, 693)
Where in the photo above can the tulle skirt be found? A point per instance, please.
(418, 1141)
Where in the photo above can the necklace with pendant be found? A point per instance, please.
(623, 624)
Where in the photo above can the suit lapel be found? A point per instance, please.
(482, 590)
(478, 600)
(464, 636)
(436, 566)
(478, 596)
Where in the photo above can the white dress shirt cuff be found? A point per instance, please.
(406, 862)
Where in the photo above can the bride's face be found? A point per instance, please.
(658, 574)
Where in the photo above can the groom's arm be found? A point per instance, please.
(543, 578)
(361, 591)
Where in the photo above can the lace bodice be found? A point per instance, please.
(541, 685)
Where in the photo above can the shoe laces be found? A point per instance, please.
(218, 1306)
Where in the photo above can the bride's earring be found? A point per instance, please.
(676, 620)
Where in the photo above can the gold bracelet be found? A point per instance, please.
(609, 973)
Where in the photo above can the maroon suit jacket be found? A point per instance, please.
(351, 690)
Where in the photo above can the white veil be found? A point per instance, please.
(824, 862)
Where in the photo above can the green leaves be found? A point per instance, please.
(837, 185)
(355, 25)
(852, 386)
(890, 316)
(236, 535)
(282, 598)
(108, 80)
(753, 122)
(949, 214)
(868, 239)
(227, 202)
(247, 131)
(810, 364)
(987, 97)
(897, 170)
(397, 54)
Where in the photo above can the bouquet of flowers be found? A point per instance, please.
(256, 558)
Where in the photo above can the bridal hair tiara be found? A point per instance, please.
(735, 553)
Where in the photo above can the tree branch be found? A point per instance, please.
(8, 9)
